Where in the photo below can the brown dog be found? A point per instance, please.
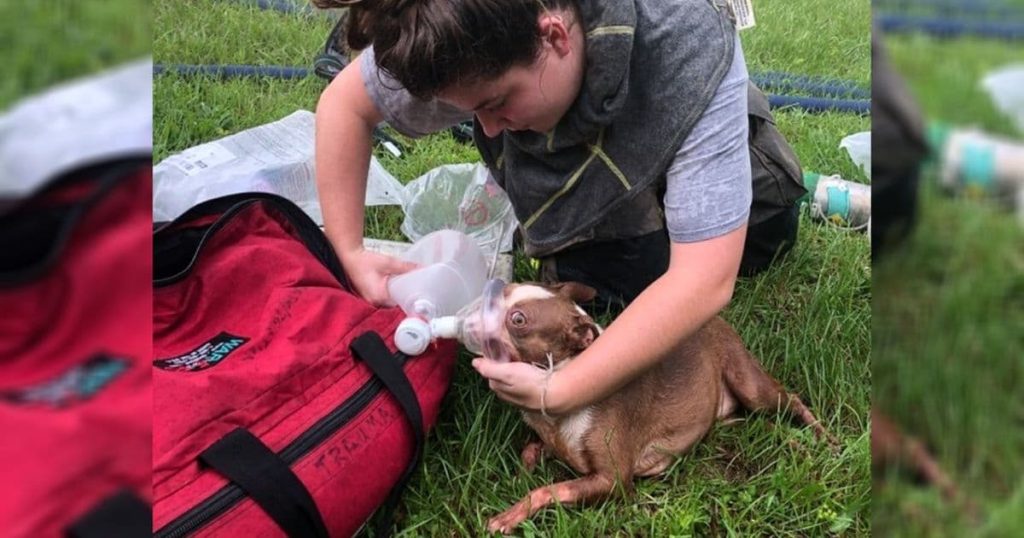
(642, 428)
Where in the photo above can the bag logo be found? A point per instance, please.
(207, 355)
(76, 385)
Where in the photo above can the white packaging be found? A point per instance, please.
(276, 157)
(85, 121)
(858, 145)
(1006, 88)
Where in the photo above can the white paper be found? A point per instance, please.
(277, 157)
(195, 160)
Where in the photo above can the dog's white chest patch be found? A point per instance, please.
(574, 427)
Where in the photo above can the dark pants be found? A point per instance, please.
(620, 270)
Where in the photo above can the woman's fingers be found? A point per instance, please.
(517, 383)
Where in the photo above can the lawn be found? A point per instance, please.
(808, 318)
(948, 318)
(49, 42)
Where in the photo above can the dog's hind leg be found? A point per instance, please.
(589, 488)
(757, 391)
(891, 447)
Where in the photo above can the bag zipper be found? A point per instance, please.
(228, 496)
(308, 233)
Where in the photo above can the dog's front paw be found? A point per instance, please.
(507, 521)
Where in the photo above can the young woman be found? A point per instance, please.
(619, 131)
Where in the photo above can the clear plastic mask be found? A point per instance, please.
(483, 320)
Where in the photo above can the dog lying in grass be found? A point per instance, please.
(642, 428)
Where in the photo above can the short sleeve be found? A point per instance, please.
(708, 191)
(406, 114)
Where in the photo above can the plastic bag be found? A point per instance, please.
(1006, 88)
(277, 157)
(104, 116)
(460, 197)
(858, 145)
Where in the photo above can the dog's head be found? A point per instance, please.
(543, 319)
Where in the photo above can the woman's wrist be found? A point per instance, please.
(554, 399)
(348, 249)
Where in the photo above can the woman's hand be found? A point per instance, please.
(521, 384)
(368, 273)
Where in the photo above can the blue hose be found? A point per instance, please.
(234, 71)
(957, 9)
(819, 105)
(811, 104)
(816, 86)
(950, 28)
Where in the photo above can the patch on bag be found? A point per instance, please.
(78, 384)
(207, 355)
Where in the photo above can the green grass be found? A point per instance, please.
(949, 318)
(808, 318)
(811, 37)
(49, 42)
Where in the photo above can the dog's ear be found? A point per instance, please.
(582, 333)
(580, 293)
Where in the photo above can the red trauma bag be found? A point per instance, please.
(280, 405)
(75, 345)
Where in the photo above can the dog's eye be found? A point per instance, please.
(518, 318)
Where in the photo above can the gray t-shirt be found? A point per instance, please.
(708, 191)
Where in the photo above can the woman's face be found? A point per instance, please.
(532, 97)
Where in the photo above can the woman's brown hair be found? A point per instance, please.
(431, 45)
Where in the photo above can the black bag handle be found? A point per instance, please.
(230, 206)
(122, 514)
(243, 459)
(370, 348)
